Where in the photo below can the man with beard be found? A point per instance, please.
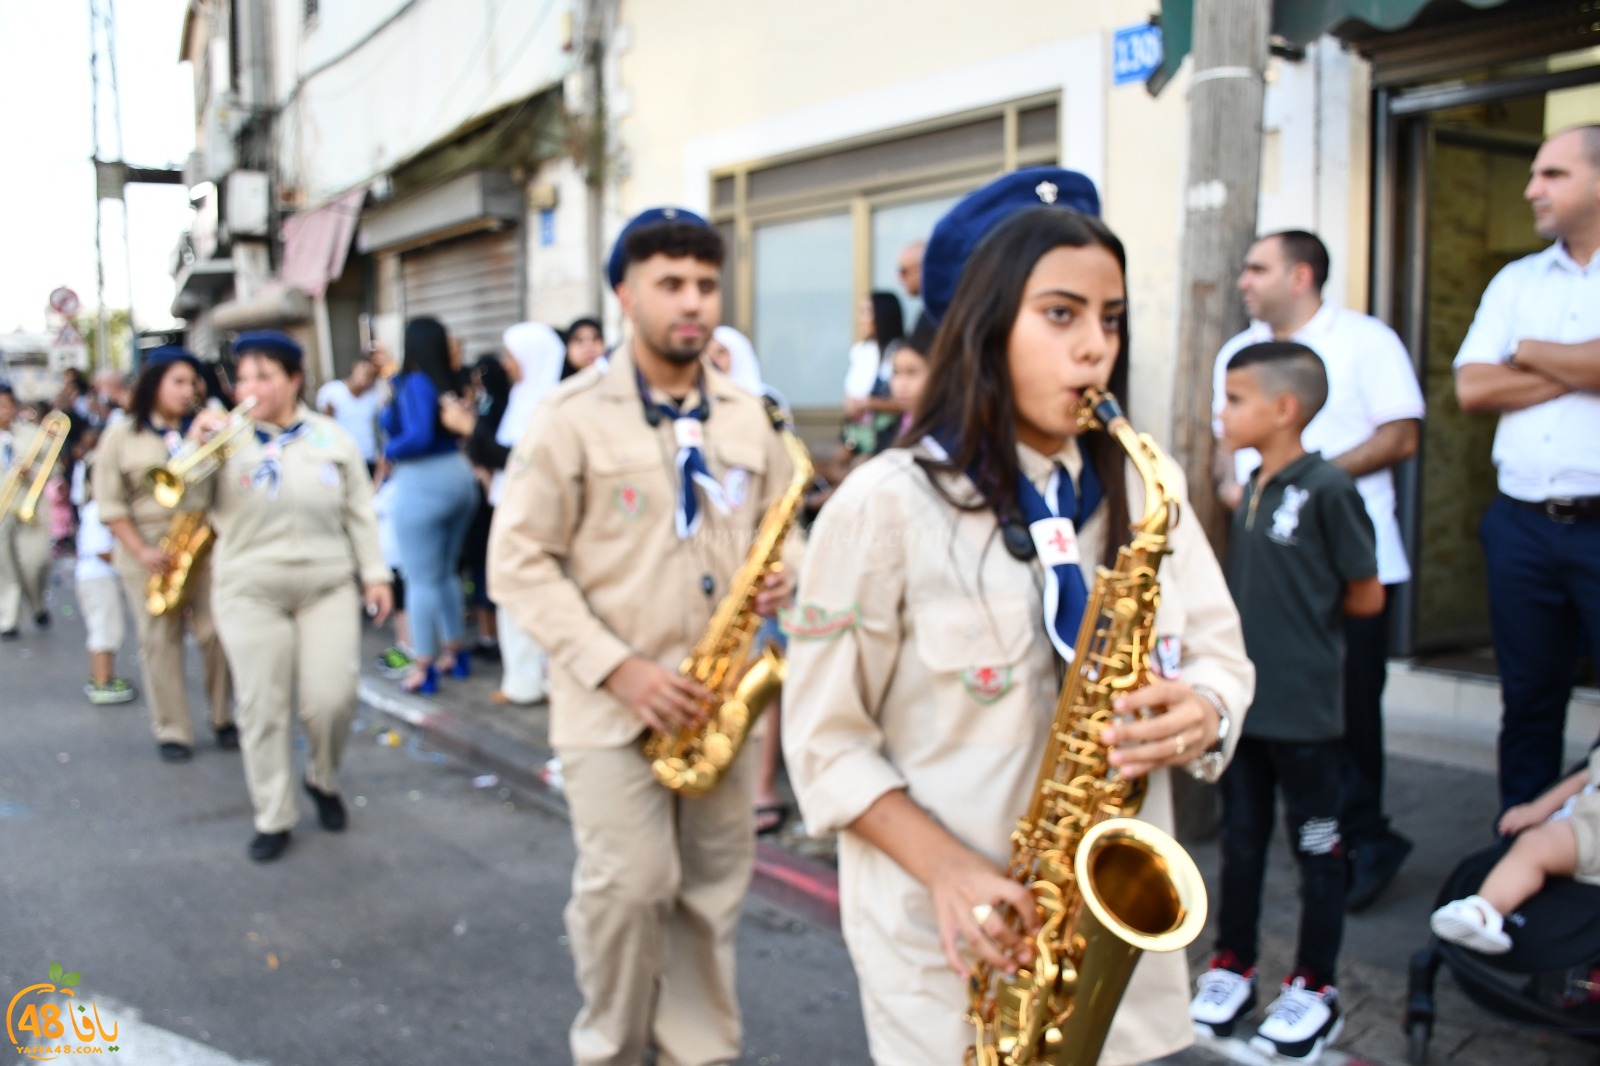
(628, 507)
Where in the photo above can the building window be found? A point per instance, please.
(811, 233)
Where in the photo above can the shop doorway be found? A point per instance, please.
(1452, 161)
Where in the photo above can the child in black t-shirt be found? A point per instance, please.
(1301, 558)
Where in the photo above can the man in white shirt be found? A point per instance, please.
(1533, 356)
(354, 403)
(1369, 426)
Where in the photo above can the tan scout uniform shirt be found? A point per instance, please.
(321, 518)
(125, 453)
(20, 436)
(584, 554)
(918, 660)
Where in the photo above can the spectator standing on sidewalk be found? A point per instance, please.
(1533, 356)
(1369, 426)
(1301, 559)
(530, 366)
(355, 402)
(586, 346)
(435, 496)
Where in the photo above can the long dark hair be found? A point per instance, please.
(143, 403)
(967, 404)
(427, 352)
(888, 320)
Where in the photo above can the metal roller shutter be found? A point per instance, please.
(472, 284)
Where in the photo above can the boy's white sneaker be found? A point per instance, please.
(1222, 997)
(1300, 1023)
(1473, 923)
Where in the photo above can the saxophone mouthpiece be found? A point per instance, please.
(1097, 409)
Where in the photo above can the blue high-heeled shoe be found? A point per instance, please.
(462, 668)
(430, 682)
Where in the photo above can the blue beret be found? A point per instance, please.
(170, 353)
(268, 340)
(965, 225)
(655, 216)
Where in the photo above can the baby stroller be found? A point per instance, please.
(1550, 978)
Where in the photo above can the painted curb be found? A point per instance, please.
(804, 886)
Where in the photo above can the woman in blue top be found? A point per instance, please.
(435, 498)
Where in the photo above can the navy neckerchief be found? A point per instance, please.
(7, 453)
(269, 472)
(688, 429)
(1054, 519)
(172, 438)
(1052, 537)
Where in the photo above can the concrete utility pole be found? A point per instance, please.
(1225, 98)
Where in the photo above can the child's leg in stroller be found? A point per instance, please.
(1548, 850)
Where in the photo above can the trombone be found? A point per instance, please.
(196, 462)
(48, 441)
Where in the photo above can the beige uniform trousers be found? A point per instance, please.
(24, 568)
(161, 653)
(287, 629)
(655, 905)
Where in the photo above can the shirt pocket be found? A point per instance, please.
(627, 483)
(976, 653)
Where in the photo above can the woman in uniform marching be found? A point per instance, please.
(292, 507)
(923, 673)
(158, 416)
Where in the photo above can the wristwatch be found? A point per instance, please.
(1208, 765)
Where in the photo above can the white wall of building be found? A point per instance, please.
(429, 69)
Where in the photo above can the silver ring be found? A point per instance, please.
(981, 912)
(1178, 745)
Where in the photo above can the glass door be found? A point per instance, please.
(1452, 163)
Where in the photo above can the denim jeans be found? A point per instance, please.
(1307, 775)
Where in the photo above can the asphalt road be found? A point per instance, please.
(430, 932)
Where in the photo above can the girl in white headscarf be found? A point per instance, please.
(732, 353)
(532, 358)
(536, 352)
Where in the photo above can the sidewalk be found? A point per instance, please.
(1440, 791)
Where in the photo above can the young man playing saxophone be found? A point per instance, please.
(629, 505)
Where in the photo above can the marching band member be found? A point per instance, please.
(923, 674)
(158, 416)
(24, 546)
(292, 507)
(628, 507)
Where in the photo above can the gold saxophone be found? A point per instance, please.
(1107, 886)
(692, 761)
(188, 539)
(187, 542)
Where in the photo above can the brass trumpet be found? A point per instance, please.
(196, 462)
(47, 442)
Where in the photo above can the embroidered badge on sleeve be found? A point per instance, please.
(809, 621)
